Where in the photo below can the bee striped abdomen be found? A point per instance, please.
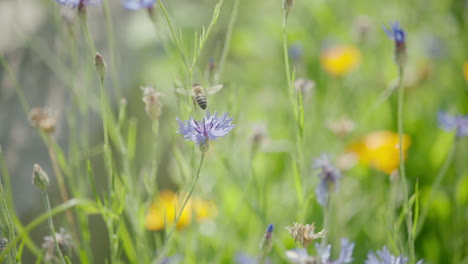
(201, 100)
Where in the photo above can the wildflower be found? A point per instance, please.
(64, 242)
(177, 258)
(465, 70)
(242, 258)
(381, 150)
(138, 4)
(267, 241)
(43, 119)
(3, 243)
(152, 103)
(304, 233)
(330, 177)
(399, 36)
(75, 3)
(100, 65)
(345, 254)
(202, 132)
(305, 87)
(339, 60)
(384, 257)
(341, 127)
(450, 122)
(299, 255)
(163, 211)
(40, 178)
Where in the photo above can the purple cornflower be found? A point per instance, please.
(202, 132)
(242, 258)
(329, 176)
(138, 4)
(384, 257)
(450, 122)
(399, 36)
(346, 254)
(75, 3)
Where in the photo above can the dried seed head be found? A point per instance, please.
(287, 5)
(40, 178)
(3, 243)
(43, 119)
(100, 65)
(304, 233)
(64, 241)
(341, 127)
(304, 86)
(152, 103)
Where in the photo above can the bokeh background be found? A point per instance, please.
(248, 176)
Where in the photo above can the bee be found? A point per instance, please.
(198, 93)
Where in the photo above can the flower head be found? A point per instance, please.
(242, 258)
(3, 243)
(138, 4)
(384, 257)
(267, 241)
(163, 211)
(152, 103)
(40, 178)
(329, 178)
(299, 255)
(380, 149)
(64, 240)
(305, 234)
(44, 119)
(450, 122)
(399, 36)
(210, 128)
(339, 60)
(345, 254)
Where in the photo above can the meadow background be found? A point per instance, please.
(123, 195)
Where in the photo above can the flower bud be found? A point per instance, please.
(287, 5)
(267, 241)
(3, 243)
(101, 66)
(40, 178)
(152, 103)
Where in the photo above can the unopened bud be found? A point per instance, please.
(153, 105)
(40, 178)
(101, 66)
(287, 5)
(267, 241)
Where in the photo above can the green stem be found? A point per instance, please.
(227, 41)
(407, 208)
(45, 197)
(171, 231)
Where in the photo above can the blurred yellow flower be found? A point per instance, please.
(168, 205)
(380, 150)
(465, 70)
(339, 60)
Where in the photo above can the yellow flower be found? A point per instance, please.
(465, 70)
(339, 60)
(380, 150)
(168, 205)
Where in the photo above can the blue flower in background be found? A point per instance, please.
(329, 176)
(399, 36)
(396, 33)
(138, 4)
(242, 258)
(346, 254)
(384, 257)
(450, 122)
(75, 3)
(202, 132)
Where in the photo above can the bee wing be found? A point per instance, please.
(183, 91)
(214, 89)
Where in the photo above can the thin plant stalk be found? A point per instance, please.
(45, 197)
(407, 208)
(179, 214)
